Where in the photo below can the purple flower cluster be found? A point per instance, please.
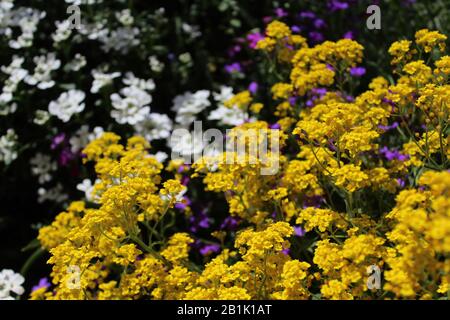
(61, 143)
(392, 155)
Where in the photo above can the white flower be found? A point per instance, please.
(132, 104)
(132, 81)
(42, 72)
(42, 166)
(192, 31)
(10, 282)
(188, 105)
(8, 147)
(125, 17)
(233, 116)
(132, 107)
(160, 156)
(154, 126)
(53, 195)
(102, 79)
(16, 75)
(185, 144)
(67, 104)
(87, 187)
(41, 117)
(177, 198)
(63, 31)
(27, 19)
(83, 136)
(121, 39)
(78, 62)
(155, 65)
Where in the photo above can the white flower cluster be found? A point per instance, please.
(23, 18)
(233, 116)
(55, 194)
(16, 75)
(10, 284)
(102, 79)
(188, 105)
(67, 105)
(132, 105)
(8, 147)
(42, 166)
(83, 136)
(42, 72)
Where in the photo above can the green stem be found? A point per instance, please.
(36, 255)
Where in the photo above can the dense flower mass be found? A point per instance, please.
(127, 246)
(339, 187)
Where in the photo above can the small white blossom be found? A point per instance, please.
(10, 283)
(131, 106)
(233, 116)
(83, 136)
(16, 75)
(53, 195)
(42, 166)
(188, 105)
(154, 126)
(102, 79)
(160, 156)
(41, 117)
(87, 187)
(78, 62)
(42, 72)
(67, 105)
(8, 147)
(63, 31)
(125, 17)
(155, 65)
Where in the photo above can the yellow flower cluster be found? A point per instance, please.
(356, 182)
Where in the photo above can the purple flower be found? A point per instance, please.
(233, 67)
(401, 183)
(58, 140)
(275, 126)
(336, 5)
(296, 29)
(357, 71)
(66, 156)
(307, 15)
(388, 127)
(286, 251)
(208, 249)
(299, 231)
(349, 35)
(199, 221)
(183, 204)
(319, 23)
(280, 12)
(392, 155)
(292, 101)
(234, 50)
(43, 283)
(319, 91)
(254, 38)
(330, 67)
(230, 223)
(316, 36)
(253, 87)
